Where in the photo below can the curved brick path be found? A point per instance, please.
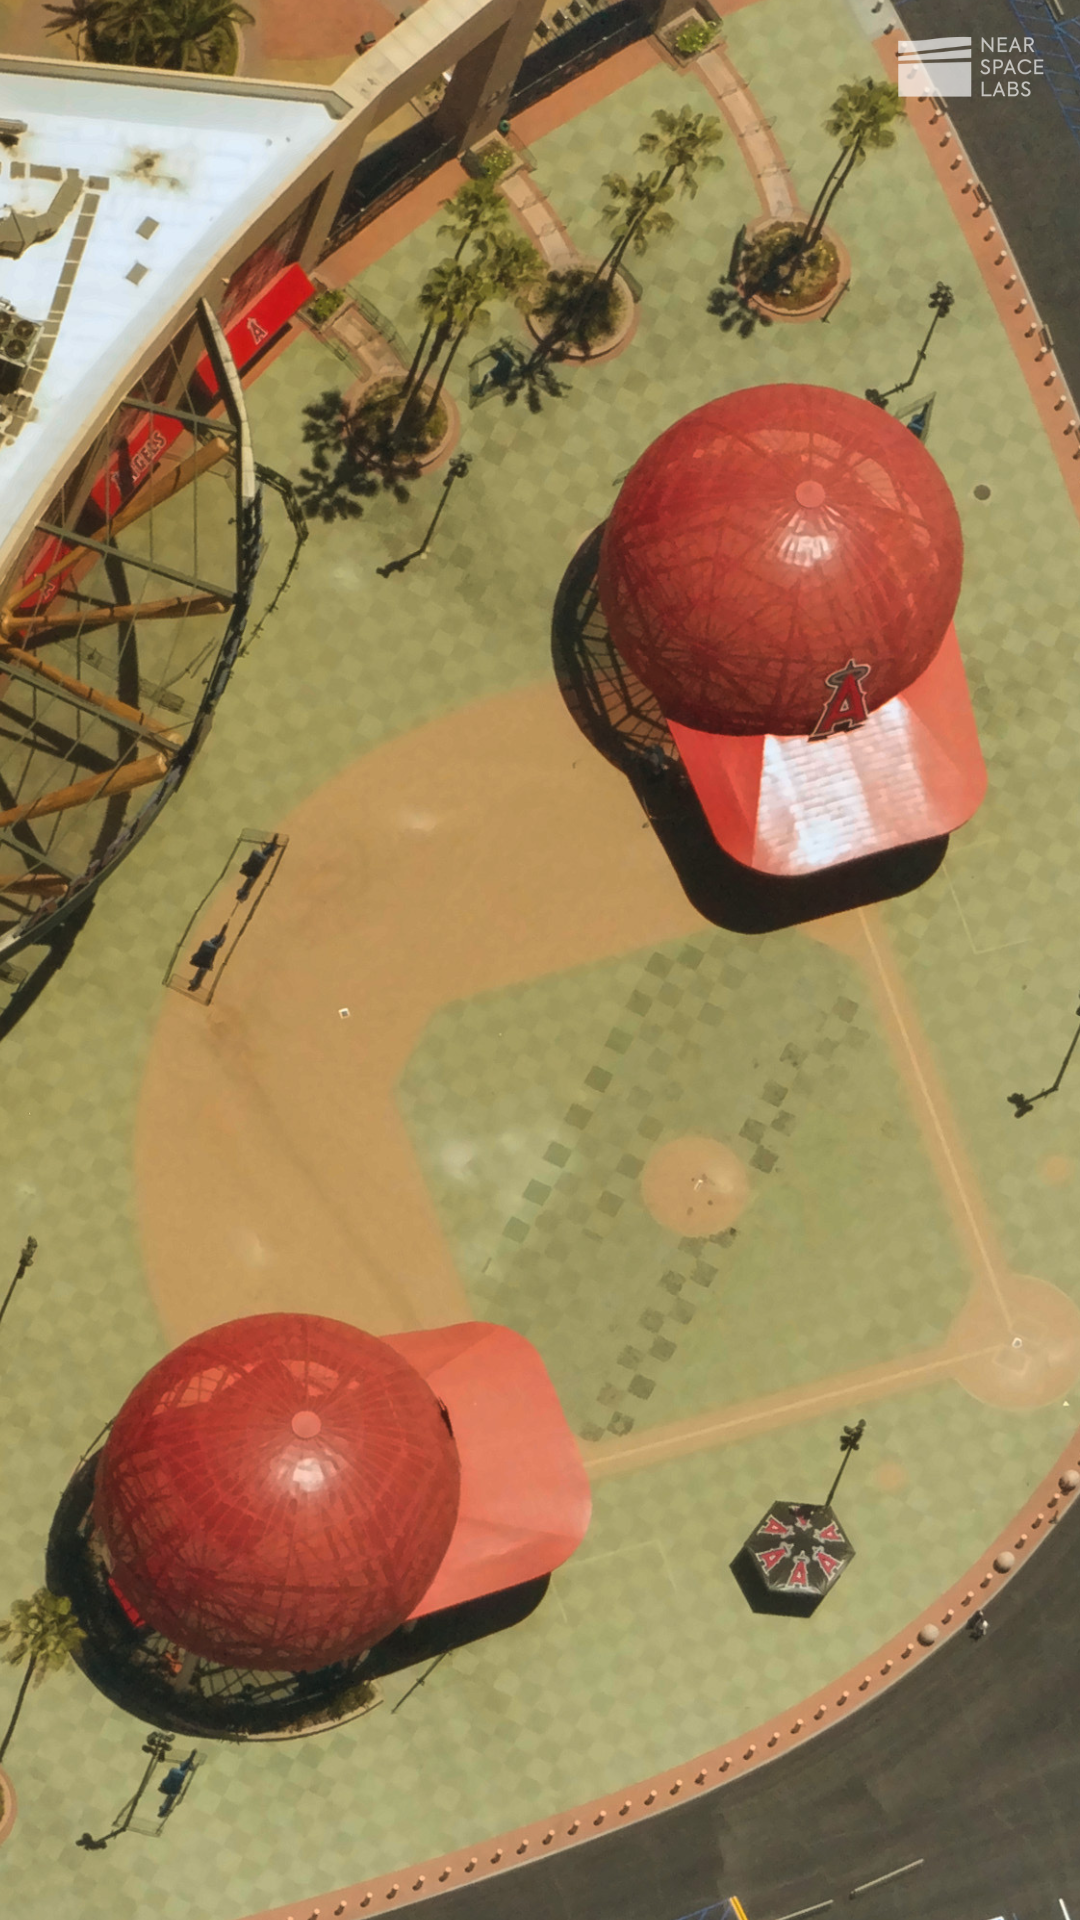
(757, 143)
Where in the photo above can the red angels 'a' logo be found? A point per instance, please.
(845, 707)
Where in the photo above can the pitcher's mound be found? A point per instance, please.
(695, 1186)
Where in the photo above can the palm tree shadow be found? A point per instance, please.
(623, 721)
(729, 304)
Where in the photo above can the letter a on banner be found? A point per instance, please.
(846, 705)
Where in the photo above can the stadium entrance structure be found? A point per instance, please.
(119, 628)
(143, 216)
(287, 1507)
(780, 570)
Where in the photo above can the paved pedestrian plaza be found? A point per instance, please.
(534, 1010)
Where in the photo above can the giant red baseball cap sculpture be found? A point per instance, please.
(283, 1491)
(781, 570)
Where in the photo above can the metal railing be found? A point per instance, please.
(575, 47)
(385, 176)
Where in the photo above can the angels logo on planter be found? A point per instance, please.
(799, 1548)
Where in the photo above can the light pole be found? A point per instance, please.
(458, 468)
(26, 1259)
(420, 1682)
(941, 300)
(849, 1444)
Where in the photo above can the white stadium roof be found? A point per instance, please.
(112, 201)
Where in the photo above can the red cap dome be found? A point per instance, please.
(767, 539)
(278, 1492)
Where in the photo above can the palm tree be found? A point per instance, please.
(684, 144)
(44, 1632)
(193, 36)
(861, 120)
(478, 213)
(446, 294)
(635, 213)
(476, 210)
(506, 269)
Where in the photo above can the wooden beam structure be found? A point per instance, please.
(29, 626)
(49, 885)
(102, 786)
(28, 667)
(160, 487)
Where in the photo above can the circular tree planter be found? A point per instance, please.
(446, 420)
(226, 44)
(438, 455)
(608, 345)
(9, 1806)
(816, 291)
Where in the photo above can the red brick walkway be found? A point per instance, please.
(1016, 308)
(425, 200)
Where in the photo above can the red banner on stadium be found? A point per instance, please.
(153, 433)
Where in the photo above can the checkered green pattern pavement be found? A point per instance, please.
(756, 1042)
(535, 1106)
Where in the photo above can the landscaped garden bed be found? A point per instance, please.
(779, 282)
(597, 313)
(691, 35)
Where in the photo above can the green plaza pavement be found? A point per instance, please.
(531, 1110)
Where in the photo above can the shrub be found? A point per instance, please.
(497, 161)
(324, 305)
(188, 36)
(696, 36)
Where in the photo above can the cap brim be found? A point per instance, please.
(788, 805)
